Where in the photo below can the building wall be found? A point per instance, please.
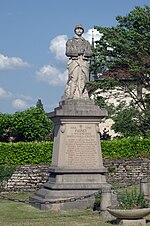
(114, 97)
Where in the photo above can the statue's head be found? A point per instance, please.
(79, 27)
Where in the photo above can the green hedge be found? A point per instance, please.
(41, 152)
(22, 153)
(126, 148)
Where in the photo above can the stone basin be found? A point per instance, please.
(129, 214)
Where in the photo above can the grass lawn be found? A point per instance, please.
(20, 214)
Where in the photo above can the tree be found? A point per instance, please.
(39, 104)
(29, 125)
(126, 121)
(124, 50)
(5, 127)
(122, 57)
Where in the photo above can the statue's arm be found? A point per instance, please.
(88, 50)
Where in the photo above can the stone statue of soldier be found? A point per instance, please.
(79, 51)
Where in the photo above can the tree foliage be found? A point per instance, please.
(122, 58)
(5, 125)
(124, 50)
(126, 122)
(29, 125)
(39, 104)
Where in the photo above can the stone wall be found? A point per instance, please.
(128, 171)
(31, 177)
(27, 178)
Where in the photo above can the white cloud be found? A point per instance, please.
(19, 104)
(57, 47)
(4, 93)
(18, 101)
(52, 75)
(92, 33)
(26, 97)
(7, 63)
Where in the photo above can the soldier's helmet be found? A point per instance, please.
(79, 26)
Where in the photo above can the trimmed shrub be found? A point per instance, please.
(126, 148)
(22, 153)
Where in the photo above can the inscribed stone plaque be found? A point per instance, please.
(82, 146)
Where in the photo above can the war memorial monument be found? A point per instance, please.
(77, 167)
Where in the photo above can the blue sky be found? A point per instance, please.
(32, 45)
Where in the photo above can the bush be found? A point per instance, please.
(131, 200)
(126, 148)
(6, 171)
(22, 153)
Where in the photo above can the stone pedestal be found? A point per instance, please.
(144, 187)
(127, 222)
(77, 166)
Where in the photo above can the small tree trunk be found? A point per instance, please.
(139, 91)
